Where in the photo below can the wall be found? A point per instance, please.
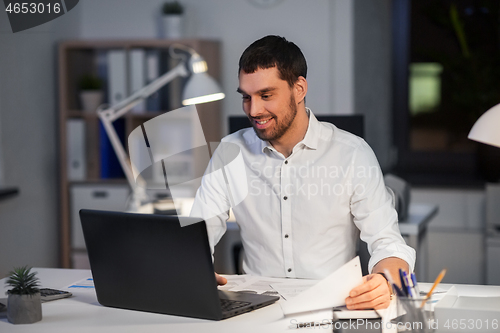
(456, 234)
(29, 233)
(347, 45)
(341, 73)
(372, 74)
(236, 24)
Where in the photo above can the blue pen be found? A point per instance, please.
(404, 286)
(393, 284)
(415, 285)
(408, 285)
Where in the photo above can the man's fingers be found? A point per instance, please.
(381, 302)
(367, 300)
(370, 282)
(369, 295)
(374, 293)
(220, 279)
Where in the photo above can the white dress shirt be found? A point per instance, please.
(302, 215)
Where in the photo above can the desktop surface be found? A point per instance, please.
(82, 313)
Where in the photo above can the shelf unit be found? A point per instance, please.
(79, 57)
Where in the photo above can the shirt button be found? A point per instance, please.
(286, 162)
(289, 270)
(285, 197)
(286, 236)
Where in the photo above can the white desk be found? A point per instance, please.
(82, 313)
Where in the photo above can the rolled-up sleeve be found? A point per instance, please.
(373, 211)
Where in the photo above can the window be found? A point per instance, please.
(446, 74)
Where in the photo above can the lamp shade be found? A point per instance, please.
(487, 127)
(201, 88)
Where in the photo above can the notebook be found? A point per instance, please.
(150, 263)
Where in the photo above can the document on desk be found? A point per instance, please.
(267, 286)
(234, 281)
(288, 289)
(328, 293)
(85, 284)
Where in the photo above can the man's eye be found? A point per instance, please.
(245, 98)
(266, 96)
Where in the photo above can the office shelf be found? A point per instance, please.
(80, 57)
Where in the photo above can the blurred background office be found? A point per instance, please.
(420, 72)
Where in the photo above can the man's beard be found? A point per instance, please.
(280, 126)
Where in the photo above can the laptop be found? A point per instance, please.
(150, 263)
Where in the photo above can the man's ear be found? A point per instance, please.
(300, 89)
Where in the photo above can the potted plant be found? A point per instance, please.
(91, 95)
(172, 19)
(24, 305)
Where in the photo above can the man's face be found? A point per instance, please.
(268, 102)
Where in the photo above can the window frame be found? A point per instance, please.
(420, 167)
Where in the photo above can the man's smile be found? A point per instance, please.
(263, 123)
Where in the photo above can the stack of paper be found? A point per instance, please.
(309, 299)
(329, 292)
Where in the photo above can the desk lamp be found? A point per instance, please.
(200, 88)
(487, 127)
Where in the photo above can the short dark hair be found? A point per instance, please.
(274, 51)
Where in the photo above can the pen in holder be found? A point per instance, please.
(412, 317)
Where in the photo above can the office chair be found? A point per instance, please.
(351, 123)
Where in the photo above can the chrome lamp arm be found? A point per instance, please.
(108, 116)
(199, 89)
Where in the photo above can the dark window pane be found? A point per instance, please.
(454, 71)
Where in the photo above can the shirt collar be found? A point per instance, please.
(310, 139)
(313, 131)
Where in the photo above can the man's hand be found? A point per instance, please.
(374, 293)
(220, 279)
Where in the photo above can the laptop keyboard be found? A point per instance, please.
(229, 305)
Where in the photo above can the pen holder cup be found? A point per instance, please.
(413, 317)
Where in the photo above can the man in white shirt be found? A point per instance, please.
(311, 186)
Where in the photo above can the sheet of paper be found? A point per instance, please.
(233, 281)
(85, 284)
(266, 286)
(329, 292)
(292, 288)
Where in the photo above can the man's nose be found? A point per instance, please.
(255, 108)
